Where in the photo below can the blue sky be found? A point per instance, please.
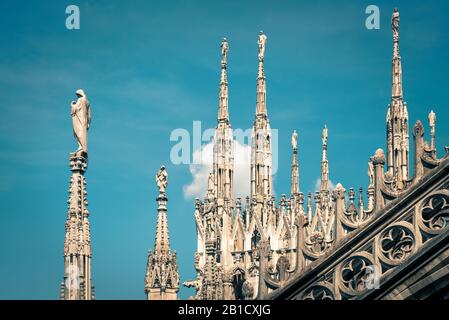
(151, 67)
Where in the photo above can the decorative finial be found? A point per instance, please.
(80, 110)
(162, 179)
(432, 120)
(324, 135)
(395, 24)
(224, 51)
(294, 140)
(379, 157)
(262, 42)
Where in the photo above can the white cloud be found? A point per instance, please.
(318, 185)
(202, 165)
(200, 171)
(242, 170)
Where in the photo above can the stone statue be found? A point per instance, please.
(262, 42)
(197, 284)
(371, 172)
(209, 215)
(294, 140)
(432, 119)
(210, 228)
(210, 186)
(282, 267)
(162, 179)
(395, 23)
(80, 119)
(192, 283)
(224, 50)
(324, 136)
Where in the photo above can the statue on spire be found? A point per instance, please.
(324, 135)
(432, 118)
(262, 42)
(162, 179)
(395, 24)
(80, 110)
(224, 51)
(294, 140)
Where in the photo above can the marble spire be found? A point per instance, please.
(324, 163)
(223, 155)
(294, 189)
(162, 241)
(77, 284)
(162, 276)
(261, 104)
(397, 118)
(223, 112)
(396, 90)
(261, 155)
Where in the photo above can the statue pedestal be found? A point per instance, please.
(78, 161)
(162, 201)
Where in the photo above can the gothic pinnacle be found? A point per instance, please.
(397, 117)
(397, 67)
(294, 189)
(324, 163)
(261, 104)
(77, 284)
(223, 113)
(162, 242)
(162, 277)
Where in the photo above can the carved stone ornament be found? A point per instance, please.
(355, 273)
(396, 243)
(433, 212)
(317, 292)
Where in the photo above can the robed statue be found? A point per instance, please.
(162, 179)
(395, 23)
(294, 140)
(371, 172)
(224, 51)
(262, 42)
(324, 136)
(81, 119)
(432, 119)
(210, 186)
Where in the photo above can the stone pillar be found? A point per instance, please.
(378, 162)
(264, 251)
(418, 133)
(339, 199)
(77, 245)
(300, 223)
(228, 288)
